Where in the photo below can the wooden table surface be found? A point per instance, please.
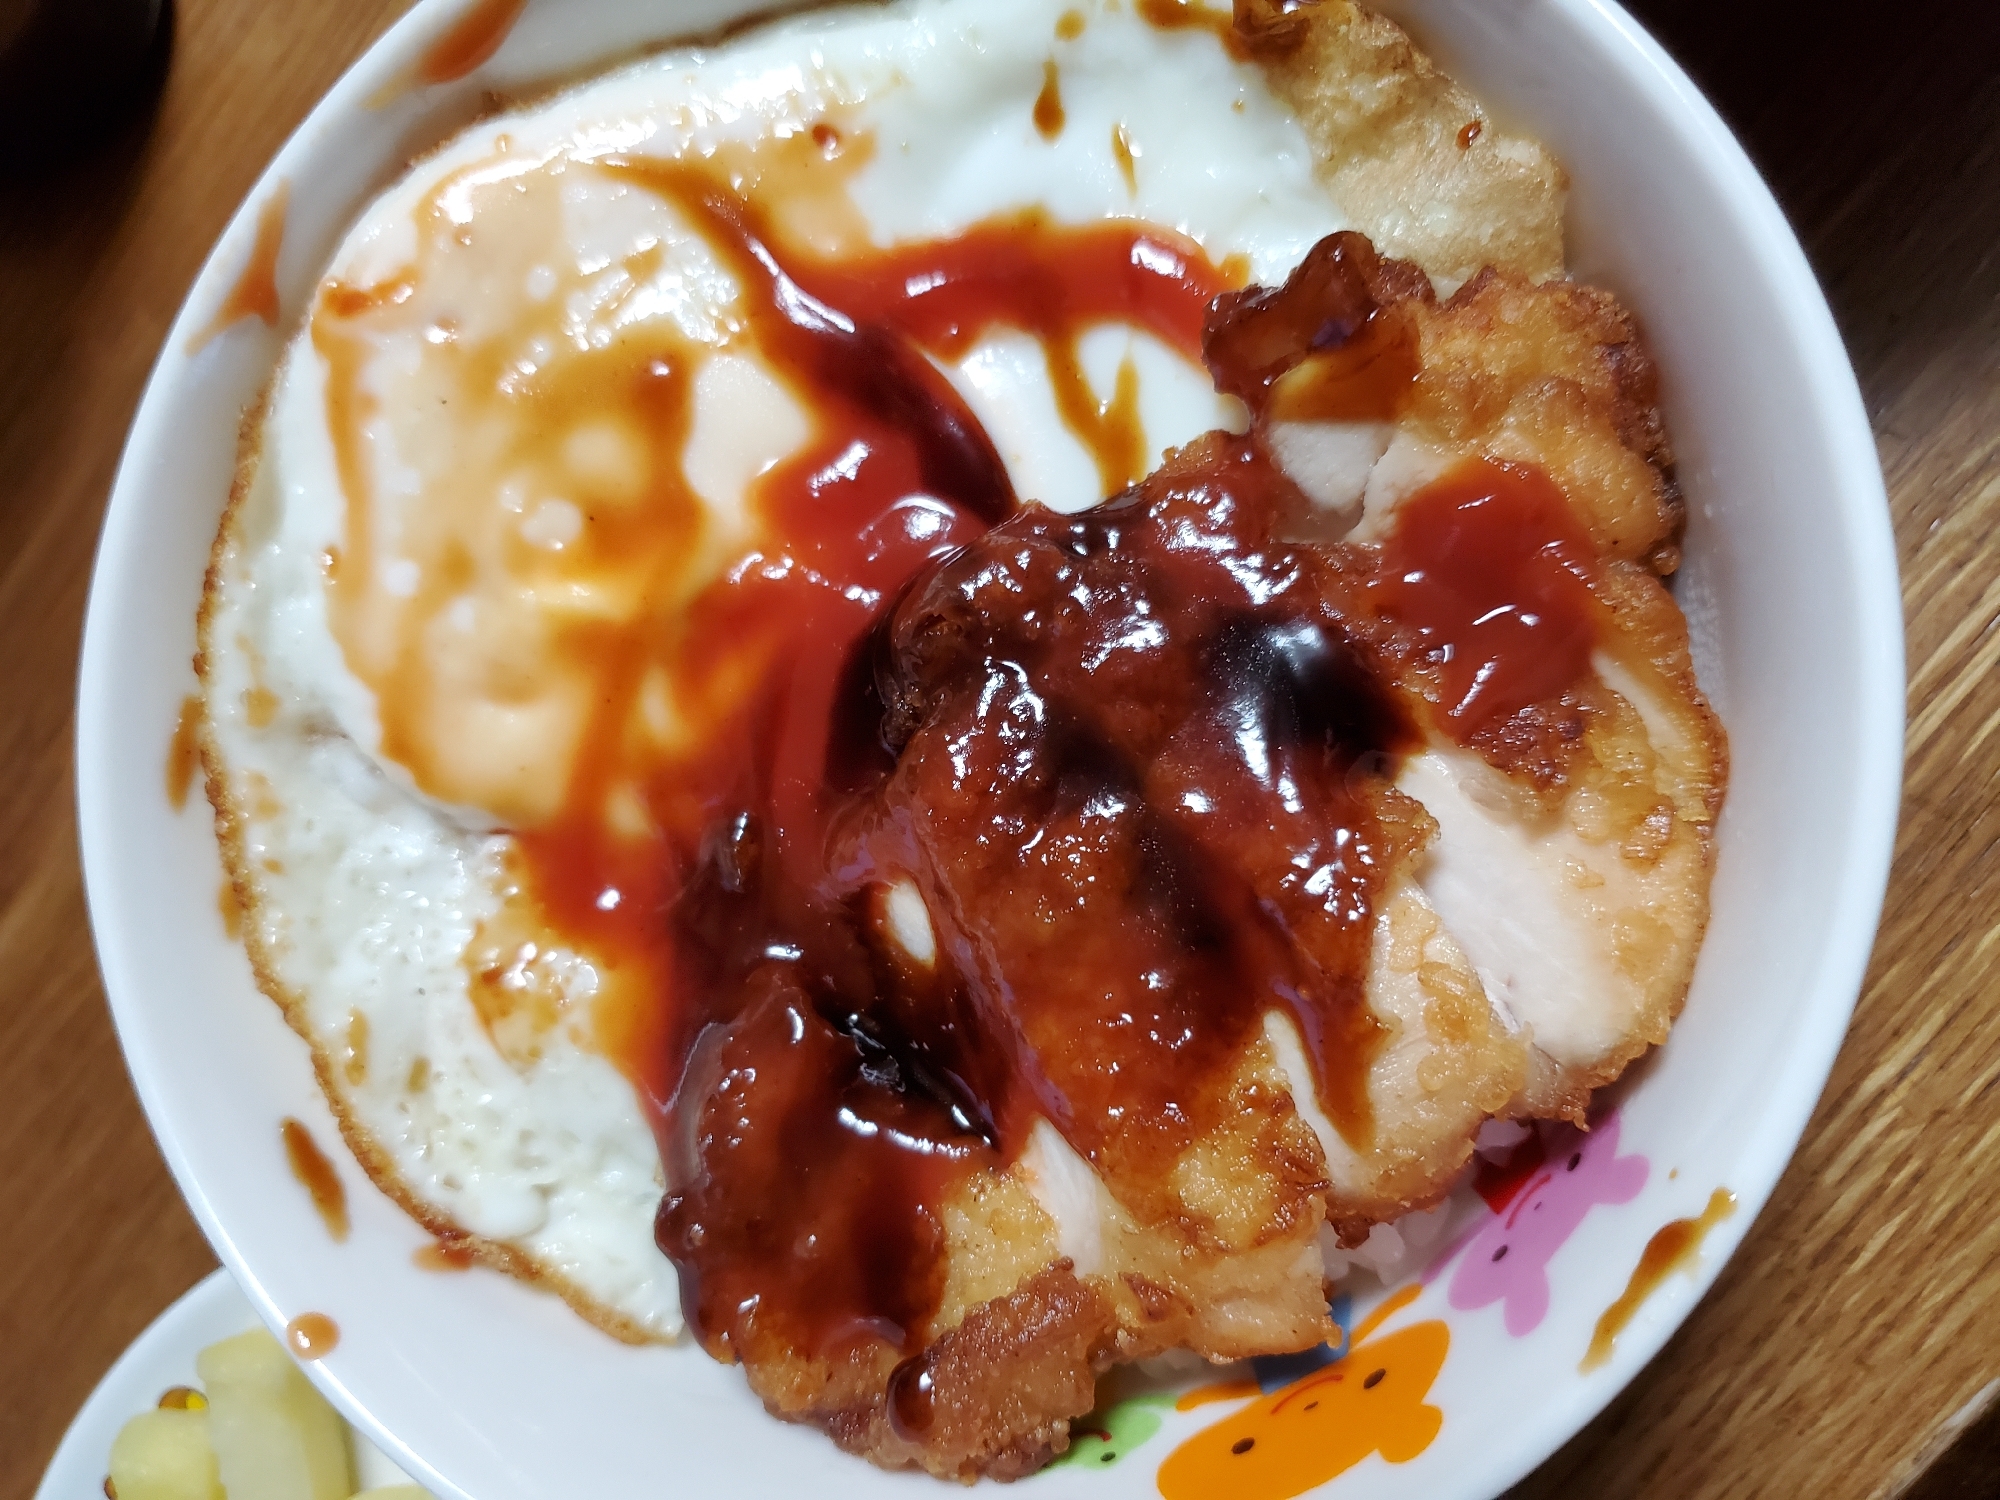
(1864, 1310)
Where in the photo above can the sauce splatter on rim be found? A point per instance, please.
(317, 1175)
(1676, 1247)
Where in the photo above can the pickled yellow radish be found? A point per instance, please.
(275, 1437)
(165, 1455)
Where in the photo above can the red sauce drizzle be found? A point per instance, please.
(1132, 760)
(1491, 568)
(766, 975)
(1053, 283)
(255, 294)
(991, 703)
(317, 1175)
(1174, 701)
(312, 1335)
(470, 41)
(1202, 777)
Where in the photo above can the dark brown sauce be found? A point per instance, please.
(1181, 714)
(1470, 133)
(470, 41)
(310, 1166)
(1048, 103)
(837, 1091)
(1331, 344)
(767, 982)
(312, 1335)
(912, 1399)
(184, 752)
(1673, 1249)
(255, 294)
(444, 1256)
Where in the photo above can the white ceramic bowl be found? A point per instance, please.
(493, 1392)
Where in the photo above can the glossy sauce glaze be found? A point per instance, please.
(1492, 571)
(1132, 766)
(825, 1060)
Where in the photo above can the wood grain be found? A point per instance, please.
(1865, 1309)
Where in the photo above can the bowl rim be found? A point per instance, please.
(1797, 1079)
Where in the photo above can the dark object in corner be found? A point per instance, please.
(72, 72)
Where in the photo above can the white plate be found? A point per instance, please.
(488, 1391)
(160, 1358)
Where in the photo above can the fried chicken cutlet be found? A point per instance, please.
(1163, 783)
(1152, 891)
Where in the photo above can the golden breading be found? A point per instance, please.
(1413, 159)
(1556, 376)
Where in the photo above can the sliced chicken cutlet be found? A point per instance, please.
(1510, 440)
(1164, 678)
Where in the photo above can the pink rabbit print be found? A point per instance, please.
(1507, 1259)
